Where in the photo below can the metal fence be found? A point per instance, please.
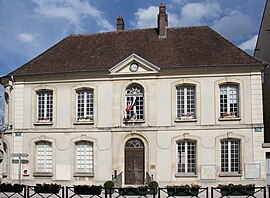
(231, 192)
(71, 192)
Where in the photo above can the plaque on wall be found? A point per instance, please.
(252, 170)
(208, 172)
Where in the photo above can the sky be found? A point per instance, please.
(29, 27)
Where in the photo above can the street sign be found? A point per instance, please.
(19, 155)
(23, 161)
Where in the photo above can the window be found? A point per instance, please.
(229, 106)
(85, 105)
(185, 102)
(186, 157)
(44, 157)
(134, 100)
(84, 157)
(230, 156)
(45, 106)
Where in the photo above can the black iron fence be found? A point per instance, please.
(15, 191)
(187, 192)
(243, 192)
(100, 192)
(45, 192)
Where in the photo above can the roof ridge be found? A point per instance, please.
(135, 30)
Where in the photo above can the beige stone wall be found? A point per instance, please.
(160, 132)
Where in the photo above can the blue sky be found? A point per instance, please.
(29, 27)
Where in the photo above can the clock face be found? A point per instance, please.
(133, 67)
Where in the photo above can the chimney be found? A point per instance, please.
(120, 23)
(162, 21)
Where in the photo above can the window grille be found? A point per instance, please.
(134, 103)
(44, 156)
(229, 101)
(185, 102)
(84, 159)
(85, 105)
(45, 106)
(186, 157)
(230, 156)
(134, 143)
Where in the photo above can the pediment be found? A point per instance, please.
(134, 64)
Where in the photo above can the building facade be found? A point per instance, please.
(180, 105)
(262, 52)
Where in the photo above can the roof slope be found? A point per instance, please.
(262, 50)
(187, 46)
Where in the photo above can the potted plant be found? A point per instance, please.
(153, 185)
(47, 188)
(140, 190)
(183, 190)
(7, 187)
(87, 190)
(237, 190)
(108, 185)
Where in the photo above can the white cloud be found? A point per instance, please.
(74, 11)
(199, 13)
(190, 14)
(26, 38)
(146, 18)
(249, 44)
(234, 26)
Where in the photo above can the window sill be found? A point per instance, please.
(134, 121)
(83, 175)
(186, 175)
(230, 175)
(43, 123)
(230, 119)
(83, 123)
(42, 174)
(185, 120)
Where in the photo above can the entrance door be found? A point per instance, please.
(134, 162)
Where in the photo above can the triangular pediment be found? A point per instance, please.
(134, 64)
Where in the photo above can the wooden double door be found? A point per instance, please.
(134, 162)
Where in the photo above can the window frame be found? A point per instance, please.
(45, 163)
(48, 97)
(185, 115)
(186, 171)
(131, 101)
(229, 159)
(88, 116)
(232, 93)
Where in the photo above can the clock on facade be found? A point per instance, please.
(133, 67)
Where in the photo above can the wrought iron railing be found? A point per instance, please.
(33, 192)
(187, 192)
(231, 192)
(69, 192)
(14, 193)
(118, 180)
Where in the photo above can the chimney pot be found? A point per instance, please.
(162, 21)
(120, 23)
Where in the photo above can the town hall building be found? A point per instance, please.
(177, 105)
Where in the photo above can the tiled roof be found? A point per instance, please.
(186, 46)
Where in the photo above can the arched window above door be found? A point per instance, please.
(134, 143)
